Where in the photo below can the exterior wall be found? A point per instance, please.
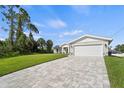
(86, 41)
(90, 41)
(105, 47)
(71, 49)
(65, 46)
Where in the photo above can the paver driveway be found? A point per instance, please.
(65, 72)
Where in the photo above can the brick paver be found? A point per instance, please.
(69, 72)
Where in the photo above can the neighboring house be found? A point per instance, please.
(87, 45)
(115, 52)
(57, 49)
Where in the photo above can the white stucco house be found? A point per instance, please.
(87, 45)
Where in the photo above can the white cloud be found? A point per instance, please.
(57, 24)
(2, 38)
(72, 33)
(26, 33)
(39, 24)
(83, 9)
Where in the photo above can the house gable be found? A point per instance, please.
(89, 40)
(65, 45)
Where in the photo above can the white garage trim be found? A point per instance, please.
(88, 50)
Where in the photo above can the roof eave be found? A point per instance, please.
(91, 36)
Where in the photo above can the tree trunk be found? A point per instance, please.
(19, 29)
(11, 32)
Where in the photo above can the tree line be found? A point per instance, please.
(18, 21)
(120, 48)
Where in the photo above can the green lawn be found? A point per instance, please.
(9, 65)
(115, 67)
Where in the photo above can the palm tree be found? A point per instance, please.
(18, 20)
(9, 16)
(23, 19)
(32, 28)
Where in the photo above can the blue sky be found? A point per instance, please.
(64, 23)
